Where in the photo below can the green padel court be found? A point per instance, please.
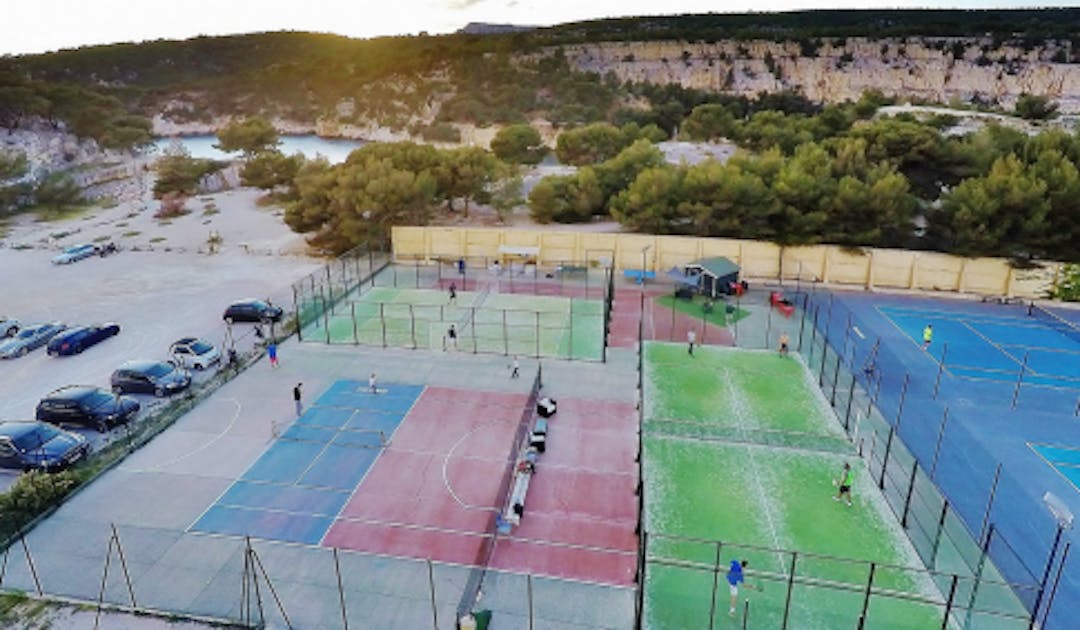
(527, 325)
(740, 450)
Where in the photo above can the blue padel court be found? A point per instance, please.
(1065, 460)
(296, 489)
(983, 346)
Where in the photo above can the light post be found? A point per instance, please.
(644, 264)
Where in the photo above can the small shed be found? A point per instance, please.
(714, 275)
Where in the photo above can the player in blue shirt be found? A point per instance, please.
(734, 578)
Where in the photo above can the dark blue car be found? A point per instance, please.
(75, 340)
(39, 446)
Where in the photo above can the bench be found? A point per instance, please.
(516, 508)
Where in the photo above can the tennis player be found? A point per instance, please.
(844, 481)
(735, 577)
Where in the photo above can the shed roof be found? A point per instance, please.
(717, 266)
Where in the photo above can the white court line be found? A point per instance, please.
(446, 462)
(211, 442)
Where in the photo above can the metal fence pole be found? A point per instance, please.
(341, 591)
(835, 382)
(790, 588)
(528, 585)
(299, 314)
(940, 438)
(903, 397)
(1053, 590)
(570, 350)
(885, 458)
(802, 318)
(355, 331)
(434, 606)
(940, 530)
(412, 325)
(1046, 572)
(850, 401)
(866, 595)
(382, 322)
(949, 601)
(1019, 380)
(537, 334)
(472, 324)
(910, 492)
(506, 337)
(715, 582)
(977, 577)
(990, 502)
(941, 368)
(325, 313)
(824, 354)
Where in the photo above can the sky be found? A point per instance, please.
(45, 25)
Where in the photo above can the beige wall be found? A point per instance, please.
(868, 268)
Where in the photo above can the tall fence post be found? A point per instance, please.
(949, 601)
(802, 318)
(940, 438)
(885, 458)
(976, 579)
(325, 313)
(941, 368)
(434, 606)
(355, 329)
(382, 322)
(850, 401)
(824, 354)
(529, 588)
(790, 588)
(910, 493)
(299, 315)
(506, 335)
(1046, 572)
(1019, 380)
(1053, 590)
(990, 502)
(835, 382)
(866, 596)
(903, 398)
(472, 325)
(937, 534)
(341, 590)
(412, 326)
(537, 334)
(715, 583)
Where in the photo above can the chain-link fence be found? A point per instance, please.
(316, 295)
(261, 583)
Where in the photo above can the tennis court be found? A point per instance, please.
(740, 453)
(1034, 344)
(485, 321)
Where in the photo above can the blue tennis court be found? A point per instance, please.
(1065, 460)
(296, 489)
(981, 346)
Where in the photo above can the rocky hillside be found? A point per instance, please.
(941, 70)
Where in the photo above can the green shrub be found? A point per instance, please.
(32, 494)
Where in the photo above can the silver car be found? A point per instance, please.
(194, 353)
(29, 338)
(9, 326)
(75, 254)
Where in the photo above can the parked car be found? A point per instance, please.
(194, 353)
(8, 326)
(253, 311)
(28, 339)
(75, 340)
(39, 446)
(149, 377)
(75, 254)
(86, 406)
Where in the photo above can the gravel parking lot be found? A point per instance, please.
(155, 297)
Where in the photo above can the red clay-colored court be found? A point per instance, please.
(434, 490)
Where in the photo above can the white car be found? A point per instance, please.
(9, 326)
(75, 254)
(194, 353)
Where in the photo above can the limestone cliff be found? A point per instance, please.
(835, 71)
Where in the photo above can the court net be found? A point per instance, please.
(737, 434)
(475, 583)
(348, 438)
(1056, 322)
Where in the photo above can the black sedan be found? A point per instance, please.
(39, 446)
(86, 406)
(253, 311)
(149, 377)
(75, 340)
